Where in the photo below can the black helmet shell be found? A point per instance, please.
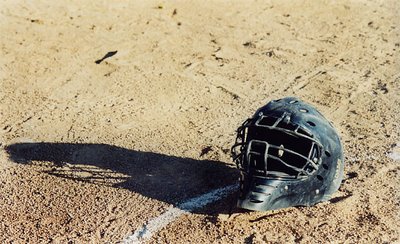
(288, 155)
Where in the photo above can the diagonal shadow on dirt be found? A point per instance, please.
(166, 178)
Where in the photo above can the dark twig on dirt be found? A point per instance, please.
(108, 55)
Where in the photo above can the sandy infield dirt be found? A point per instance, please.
(90, 151)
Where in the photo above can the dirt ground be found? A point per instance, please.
(92, 148)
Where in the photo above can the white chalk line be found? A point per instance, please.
(395, 154)
(157, 223)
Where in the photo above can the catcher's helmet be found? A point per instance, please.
(288, 155)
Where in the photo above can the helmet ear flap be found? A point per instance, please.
(285, 153)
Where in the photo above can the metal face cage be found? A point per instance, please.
(275, 148)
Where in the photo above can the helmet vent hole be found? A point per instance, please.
(293, 101)
(255, 201)
(325, 166)
(328, 154)
(320, 178)
(310, 123)
(303, 110)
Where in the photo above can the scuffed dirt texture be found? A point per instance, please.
(91, 151)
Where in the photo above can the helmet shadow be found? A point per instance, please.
(170, 179)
